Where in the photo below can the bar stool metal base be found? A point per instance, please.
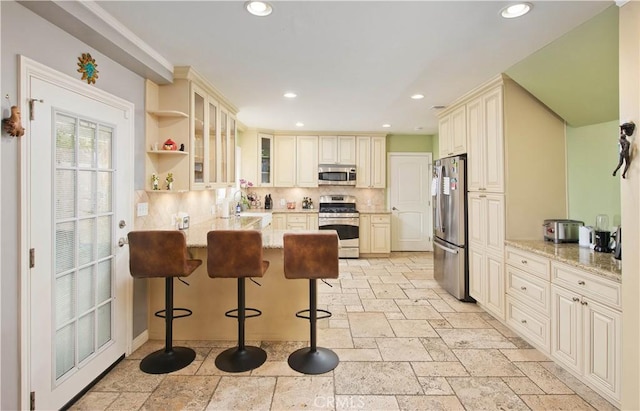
(240, 360)
(309, 361)
(162, 362)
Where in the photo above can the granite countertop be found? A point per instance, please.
(197, 233)
(295, 210)
(373, 210)
(602, 264)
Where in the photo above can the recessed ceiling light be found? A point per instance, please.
(437, 107)
(290, 94)
(258, 8)
(386, 125)
(417, 96)
(299, 124)
(516, 10)
(418, 128)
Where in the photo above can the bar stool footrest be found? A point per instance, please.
(231, 314)
(162, 313)
(326, 313)
(318, 361)
(239, 360)
(163, 362)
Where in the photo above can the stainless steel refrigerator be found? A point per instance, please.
(450, 254)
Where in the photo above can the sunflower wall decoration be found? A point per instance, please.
(87, 66)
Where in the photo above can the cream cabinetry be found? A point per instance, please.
(337, 150)
(257, 158)
(452, 132)
(296, 161)
(191, 113)
(586, 328)
(375, 233)
(371, 162)
(295, 221)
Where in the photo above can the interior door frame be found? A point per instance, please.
(28, 69)
(429, 156)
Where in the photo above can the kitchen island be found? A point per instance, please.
(278, 298)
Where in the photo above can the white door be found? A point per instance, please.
(78, 164)
(410, 201)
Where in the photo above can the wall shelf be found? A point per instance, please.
(168, 113)
(168, 152)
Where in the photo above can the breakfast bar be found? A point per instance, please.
(278, 298)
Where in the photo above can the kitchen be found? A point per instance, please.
(10, 157)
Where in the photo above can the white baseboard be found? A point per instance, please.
(139, 340)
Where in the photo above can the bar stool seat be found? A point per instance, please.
(163, 254)
(312, 256)
(237, 254)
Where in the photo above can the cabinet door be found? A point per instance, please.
(602, 346)
(458, 136)
(328, 150)
(285, 166)
(312, 221)
(279, 221)
(494, 222)
(495, 294)
(198, 172)
(477, 282)
(475, 146)
(212, 136)
(476, 218)
(307, 161)
(566, 328)
(223, 164)
(378, 162)
(265, 155)
(365, 233)
(231, 162)
(380, 238)
(494, 141)
(346, 149)
(445, 147)
(363, 162)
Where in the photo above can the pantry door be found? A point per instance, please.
(79, 204)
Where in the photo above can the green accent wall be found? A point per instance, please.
(592, 155)
(399, 143)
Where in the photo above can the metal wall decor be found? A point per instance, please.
(88, 67)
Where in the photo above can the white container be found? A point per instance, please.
(586, 236)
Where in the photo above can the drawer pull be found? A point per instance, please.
(580, 282)
(523, 288)
(524, 261)
(584, 303)
(576, 299)
(523, 321)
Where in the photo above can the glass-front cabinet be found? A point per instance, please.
(265, 159)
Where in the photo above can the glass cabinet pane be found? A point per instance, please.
(213, 128)
(232, 150)
(223, 146)
(198, 142)
(265, 160)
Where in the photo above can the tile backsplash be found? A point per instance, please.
(198, 204)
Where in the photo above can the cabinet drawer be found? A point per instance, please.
(528, 262)
(597, 288)
(298, 218)
(534, 327)
(381, 219)
(529, 288)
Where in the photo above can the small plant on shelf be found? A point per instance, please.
(155, 181)
(169, 181)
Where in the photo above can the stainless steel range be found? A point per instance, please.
(338, 212)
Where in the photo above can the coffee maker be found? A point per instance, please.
(602, 236)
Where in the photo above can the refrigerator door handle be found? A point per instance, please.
(440, 198)
(447, 249)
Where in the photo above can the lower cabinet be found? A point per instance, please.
(375, 233)
(486, 280)
(295, 221)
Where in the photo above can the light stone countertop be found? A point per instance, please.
(374, 210)
(602, 264)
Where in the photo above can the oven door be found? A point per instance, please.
(348, 229)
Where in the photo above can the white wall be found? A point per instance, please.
(23, 32)
(630, 192)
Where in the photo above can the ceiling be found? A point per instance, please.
(353, 64)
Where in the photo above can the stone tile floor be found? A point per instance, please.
(403, 343)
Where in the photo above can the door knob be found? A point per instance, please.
(122, 224)
(394, 209)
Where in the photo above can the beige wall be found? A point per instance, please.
(630, 193)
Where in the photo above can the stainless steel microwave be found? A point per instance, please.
(336, 175)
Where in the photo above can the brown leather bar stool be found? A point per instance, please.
(163, 253)
(312, 256)
(237, 254)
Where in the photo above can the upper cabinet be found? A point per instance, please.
(257, 158)
(191, 113)
(337, 150)
(452, 132)
(296, 162)
(371, 162)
